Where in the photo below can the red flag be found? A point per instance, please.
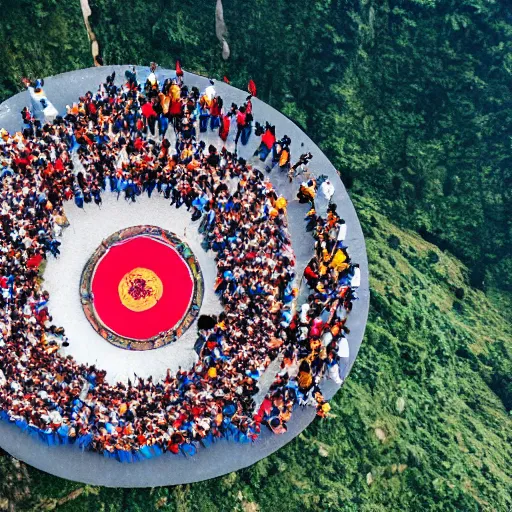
(252, 87)
(179, 71)
(226, 79)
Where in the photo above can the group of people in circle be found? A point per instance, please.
(117, 141)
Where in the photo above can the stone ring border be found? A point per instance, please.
(161, 339)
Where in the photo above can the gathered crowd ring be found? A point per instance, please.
(280, 346)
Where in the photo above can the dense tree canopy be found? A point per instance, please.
(412, 101)
(39, 38)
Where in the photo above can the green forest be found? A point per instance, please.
(412, 102)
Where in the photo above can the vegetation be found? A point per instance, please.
(412, 101)
(40, 38)
(421, 423)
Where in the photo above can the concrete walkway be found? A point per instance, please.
(223, 457)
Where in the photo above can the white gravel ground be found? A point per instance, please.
(62, 278)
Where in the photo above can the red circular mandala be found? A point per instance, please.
(164, 261)
(142, 288)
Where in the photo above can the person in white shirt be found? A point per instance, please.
(210, 91)
(323, 198)
(355, 282)
(342, 232)
(327, 189)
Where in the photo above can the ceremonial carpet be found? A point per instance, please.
(139, 289)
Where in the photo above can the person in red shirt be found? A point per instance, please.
(252, 87)
(175, 113)
(179, 72)
(225, 124)
(248, 105)
(248, 118)
(90, 106)
(268, 139)
(22, 161)
(240, 123)
(215, 112)
(149, 117)
(310, 274)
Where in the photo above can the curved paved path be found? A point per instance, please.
(223, 457)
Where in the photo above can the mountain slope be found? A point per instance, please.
(421, 423)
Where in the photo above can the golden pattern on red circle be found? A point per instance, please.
(140, 289)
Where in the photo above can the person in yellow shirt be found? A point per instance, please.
(175, 91)
(339, 261)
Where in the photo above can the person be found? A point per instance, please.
(307, 192)
(163, 124)
(42, 108)
(204, 112)
(28, 120)
(79, 198)
(215, 112)
(342, 234)
(240, 122)
(131, 79)
(247, 127)
(355, 281)
(225, 124)
(325, 191)
(281, 153)
(179, 73)
(176, 106)
(251, 87)
(149, 116)
(268, 139)
(300, 166)
(210, 91)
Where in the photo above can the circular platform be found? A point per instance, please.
(142, 288)
(223, 456)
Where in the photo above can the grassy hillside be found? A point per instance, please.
(421, 424)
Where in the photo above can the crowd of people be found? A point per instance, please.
(115, 141)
